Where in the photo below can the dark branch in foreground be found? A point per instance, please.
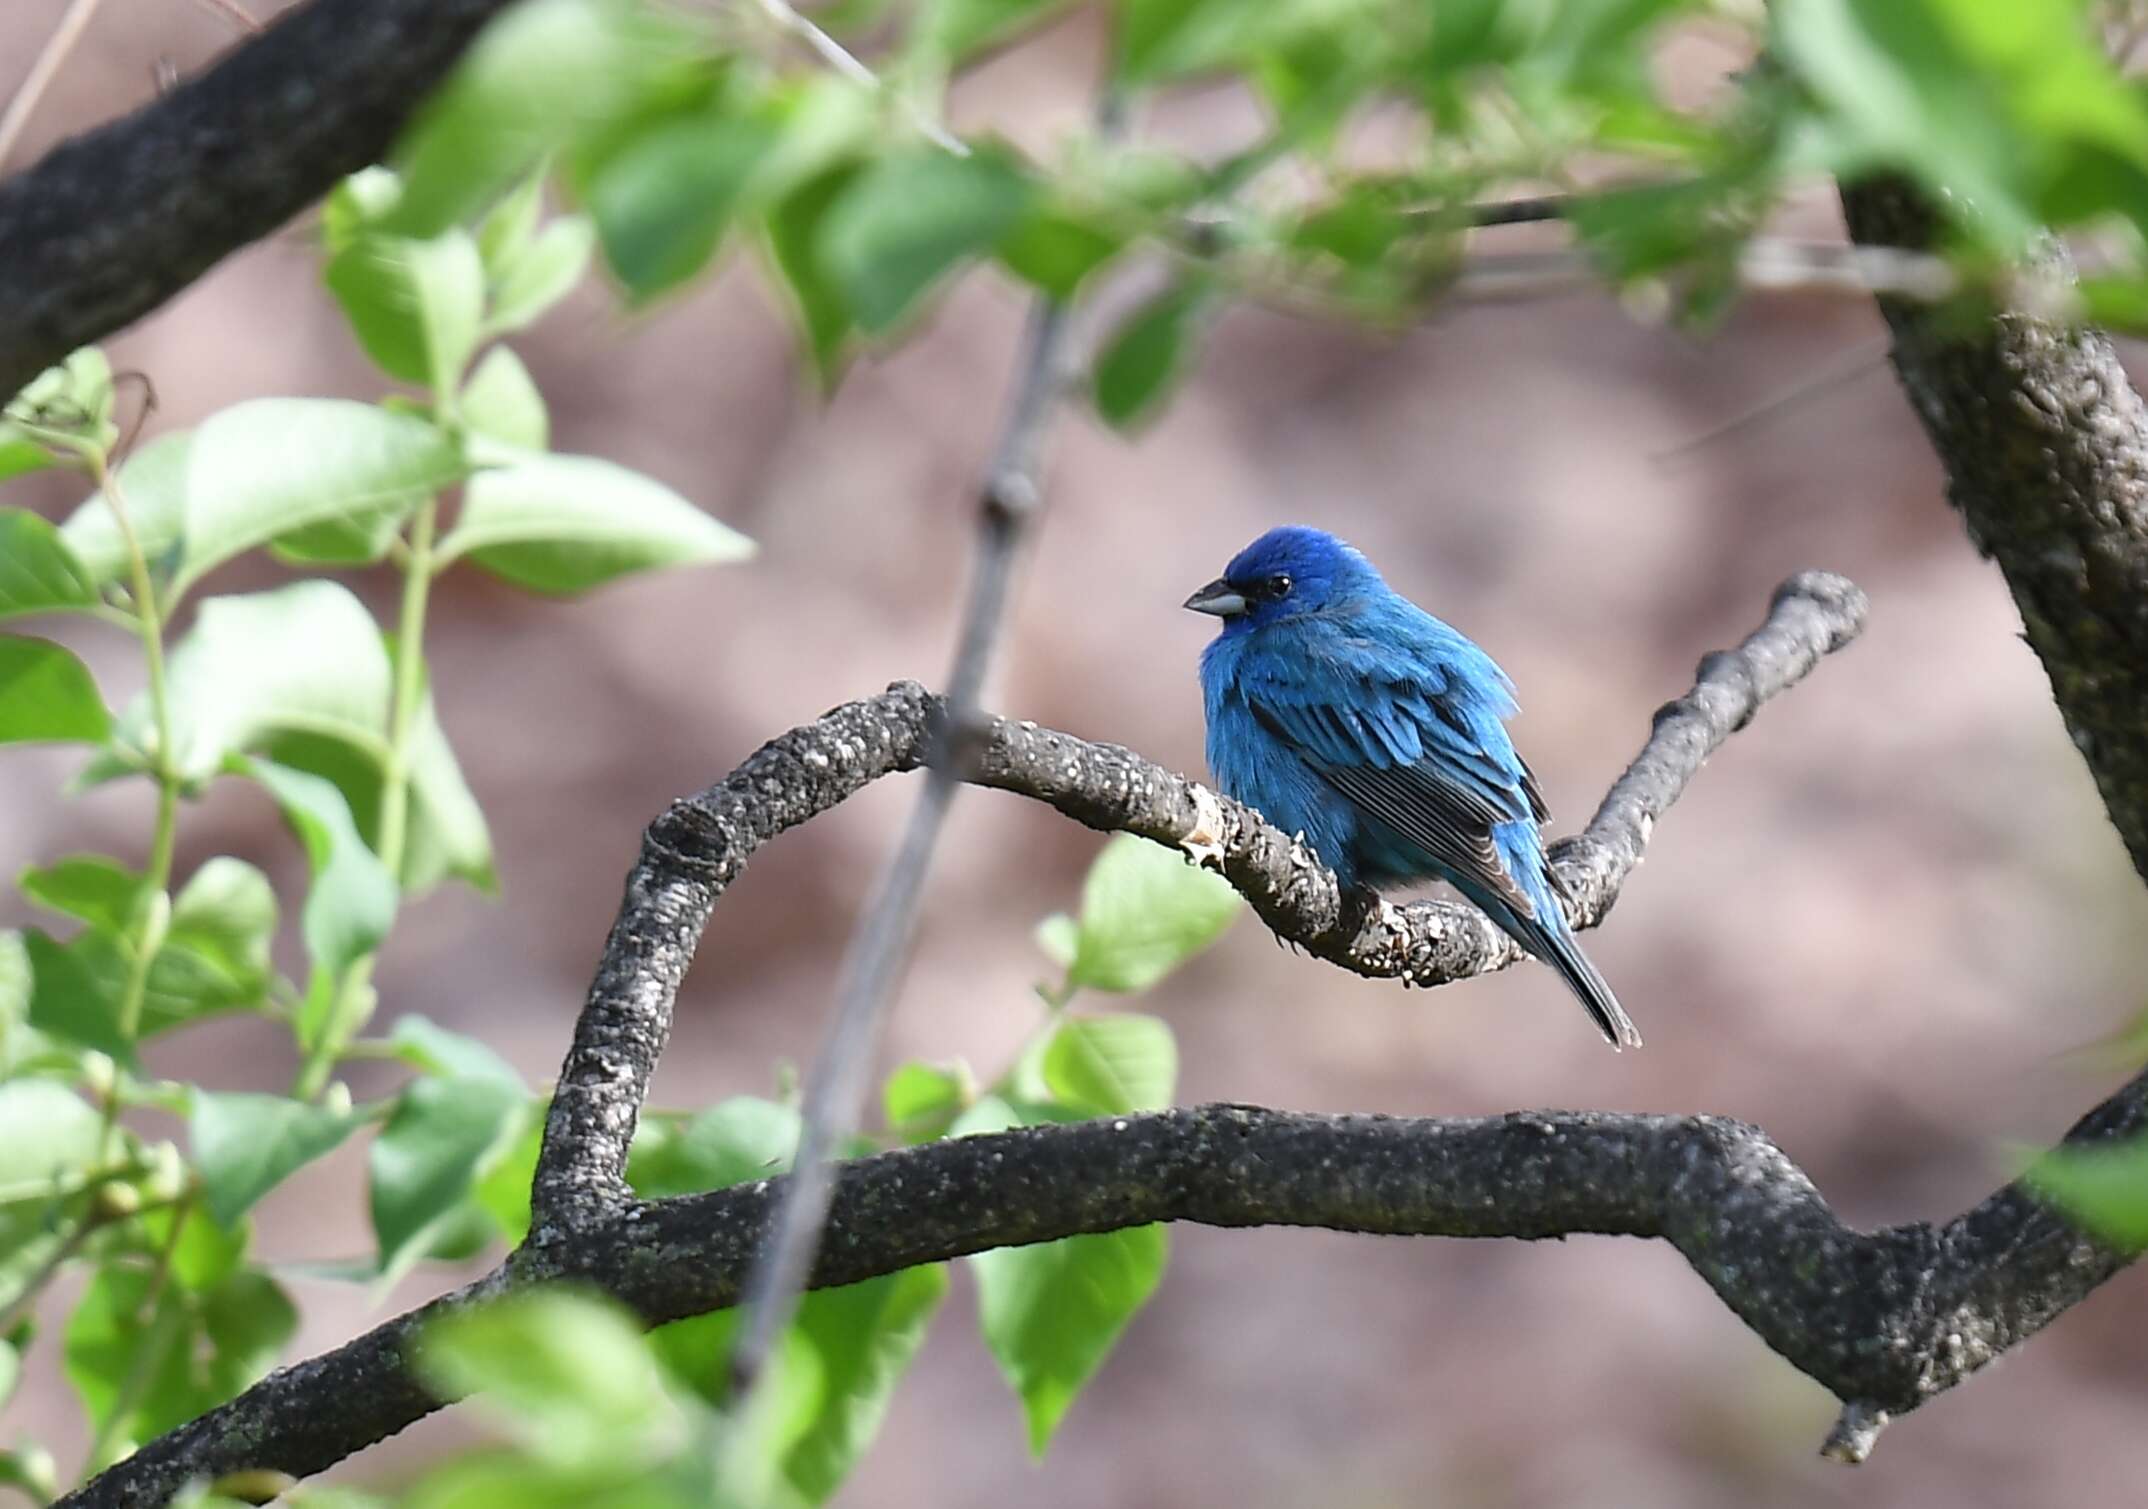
(1715, 1189)
(112, 223)
(1886, 1320)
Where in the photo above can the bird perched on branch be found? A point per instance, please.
(1345, 712)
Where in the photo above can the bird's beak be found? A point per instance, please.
(1218, 598)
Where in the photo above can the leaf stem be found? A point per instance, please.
(149, 625)
(409, 688)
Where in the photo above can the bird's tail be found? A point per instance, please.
(1562, 952)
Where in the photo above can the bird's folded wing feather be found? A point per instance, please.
(1405, 755)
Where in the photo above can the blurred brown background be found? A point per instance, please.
(1876, 926)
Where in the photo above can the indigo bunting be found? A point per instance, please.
(1346, 713)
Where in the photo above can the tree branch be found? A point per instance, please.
(1886, 1320)
(110, 224)
(1529, 1175)
(2045, 444)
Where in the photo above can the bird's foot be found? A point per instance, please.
(1397, 930)
(1204, 845)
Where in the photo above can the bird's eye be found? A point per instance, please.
(1277, 586)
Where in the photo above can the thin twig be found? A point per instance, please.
(233, 12)
(846, 63)
(1011, 496)
(1860, 360)
(73, 22)
(1766, 264)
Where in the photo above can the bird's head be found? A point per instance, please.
(1287, 573)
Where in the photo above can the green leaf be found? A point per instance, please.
(736, 1142)
(545, 73)
(100, 891)
(1058, 938)
(1056, 250)
(223, 922)
(164, 1356)
(1147, 355)
(795, 226)
(1161, 39)
(72, 1001)
(433, 1048)
(567, 1372)
(510, 225)
(545, 272)
(866, 1336)
(909, 221)
(2105, 1189)
(152, 488)
(46, 1131)
(47, 695)
(358, 204)
(1114, 1064)
(663, 200)
(1144, 911)
(38, 572)
(503, 1190)
(304, 657)
(853, 1344)
(415, 306)
(501, 402)
(352, 902)
(73, 398)
(247, 1144)
(204, 1254)
(441, 1136)
(921, 1101)
(563, 524)
(274, 466)
(1052, 1312)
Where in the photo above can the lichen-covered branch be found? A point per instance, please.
(110, 224)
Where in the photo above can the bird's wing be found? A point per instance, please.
(1406, 754)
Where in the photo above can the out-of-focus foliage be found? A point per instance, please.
(675, 137)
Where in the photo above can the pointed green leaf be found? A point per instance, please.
(2103, 1188)
(352, 902)
(1146, 355)
(1052, 1312)
(441, 1136)
(1145, 911)
(542, 273)
(47, 695)
(567, 1371)
(71, 1001)
(247, 1144)
(274, 466)
(663, 200)
(415, 306)
(960, 27)
(222, 923)
(38, 572)
(563, 524)
(794, 233)
(100, 891)
(736, 1142)
(433, 1048)
(501, 402)
(306, 657)
(921, 1101)
(1114, 1064)
(46, 1131)
(1056, 250)
(909, 221)
(510, 225)
(73, 398)
(1058, 938)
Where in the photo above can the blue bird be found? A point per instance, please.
(1345, 712)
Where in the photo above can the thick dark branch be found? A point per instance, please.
(2045, 444)
(1885, 1320)
(112, 223)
